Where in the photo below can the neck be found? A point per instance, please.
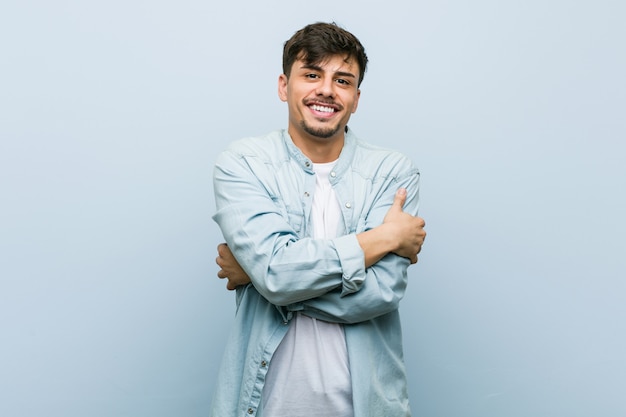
(318, 150)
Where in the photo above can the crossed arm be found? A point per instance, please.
(400, 233)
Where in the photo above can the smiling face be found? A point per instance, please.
(321, 98)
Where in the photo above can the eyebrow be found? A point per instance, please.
(318, 68)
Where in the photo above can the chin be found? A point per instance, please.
(321, 132)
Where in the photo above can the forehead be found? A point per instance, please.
(332, 63)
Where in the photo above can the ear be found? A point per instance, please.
(282, 87)
(356, 101)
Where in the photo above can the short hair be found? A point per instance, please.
(318, 41)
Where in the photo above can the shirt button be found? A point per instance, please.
(250, 411)
(263, 364)
(348, 205)
(307, 163)
(333, 174)
(306, 194)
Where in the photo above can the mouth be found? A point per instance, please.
(323, 110)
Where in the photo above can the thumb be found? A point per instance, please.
(399, 199)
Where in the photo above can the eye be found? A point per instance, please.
(343, 81)
(310, 75)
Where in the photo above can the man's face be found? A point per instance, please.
(321, 97)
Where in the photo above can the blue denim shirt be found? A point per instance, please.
(263, 192)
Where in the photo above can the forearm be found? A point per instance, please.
(387, 253)
(287, 270)
(376, 243)
(381, 292)
(349, 274)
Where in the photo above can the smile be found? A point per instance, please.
(322, 109)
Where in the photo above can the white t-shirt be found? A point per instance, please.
(309, 375)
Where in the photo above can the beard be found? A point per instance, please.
(320, 132)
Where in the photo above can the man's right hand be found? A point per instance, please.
(230, 268)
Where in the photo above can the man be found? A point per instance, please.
(320, 230)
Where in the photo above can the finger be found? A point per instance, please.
(399, 199)
(222, 249)
(222, 274)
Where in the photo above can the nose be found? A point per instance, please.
(326, 87)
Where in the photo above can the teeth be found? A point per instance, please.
(322, 108)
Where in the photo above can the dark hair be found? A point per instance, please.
(318, 41)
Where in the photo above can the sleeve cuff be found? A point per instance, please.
(352, 262)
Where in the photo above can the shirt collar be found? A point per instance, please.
(345, 157)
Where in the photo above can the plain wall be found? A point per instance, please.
(112, 114)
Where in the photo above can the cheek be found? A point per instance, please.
(355, 105)
(355, 101)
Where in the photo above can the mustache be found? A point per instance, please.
(331, 103)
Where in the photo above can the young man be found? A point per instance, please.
(320, 230)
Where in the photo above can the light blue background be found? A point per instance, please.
(112, 113)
